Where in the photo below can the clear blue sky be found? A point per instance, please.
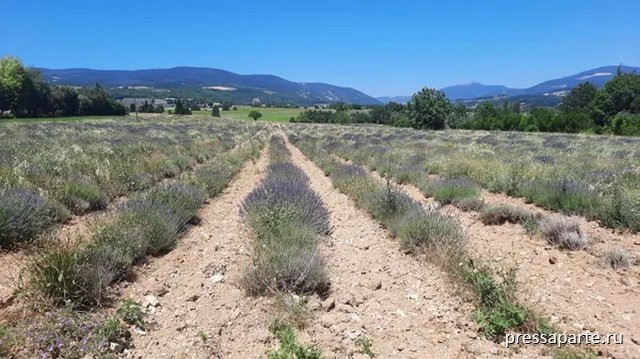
(380, 47)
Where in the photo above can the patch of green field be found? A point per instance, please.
(268, 114)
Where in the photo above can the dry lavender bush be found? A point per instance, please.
(56, 168)
(287, 218)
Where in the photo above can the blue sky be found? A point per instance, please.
(379, 47)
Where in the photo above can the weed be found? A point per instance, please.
(617, 258)
(53, 274)
(64, 333)
(498, 311)
(203, 336)
(294, 311)
(131, 313)
(469, 204)
(573, 353)
(365, 345)
(290, 349)
(501, 214)
(564, 232)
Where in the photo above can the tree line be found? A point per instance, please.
(24, 93)
(613, 109)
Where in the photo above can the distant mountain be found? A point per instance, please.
(475, 90)
(265, 88)
(396, 99)
(598, 77)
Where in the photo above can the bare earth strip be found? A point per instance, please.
(577, 291)
(405, 306)
(203, 312)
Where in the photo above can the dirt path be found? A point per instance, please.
(202, 310)
(578, 292)
(406, 307)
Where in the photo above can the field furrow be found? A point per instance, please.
(573, 288)
(407, 308)
(202, 310)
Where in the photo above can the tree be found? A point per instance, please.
(215, 111)
(255, 115)
(96, 102)
(181, 109)
(12, 77)
(66, 101)
(580, 99)
(429, 109)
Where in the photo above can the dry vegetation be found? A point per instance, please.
(499, 219)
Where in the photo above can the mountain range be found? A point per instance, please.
(598, 77)
(214, 82)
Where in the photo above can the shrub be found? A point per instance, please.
(214, 178)
(469, 204)
(448, 190)
(429, 230)
(567, 196)
(498, 310)
(97, 266)
(389, 205)
(183, 199)
(81, 196)
(148, 224)
(617, 258)
(287, 264)
(622, 210)
(304, 206)
(65, 333)
(564, 232)
(278, 151)
(501, 214)
(24, 215)
(281, 172)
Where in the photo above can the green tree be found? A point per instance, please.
(429, 109)
(181, 109)
(215, 111)
(620, 94)
(12, 77)
(255, 115)
(96, 102)
(626, 124)
(580, 98)
(66, 101)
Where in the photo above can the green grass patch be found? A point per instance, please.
(268, 114)
(291, 349)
